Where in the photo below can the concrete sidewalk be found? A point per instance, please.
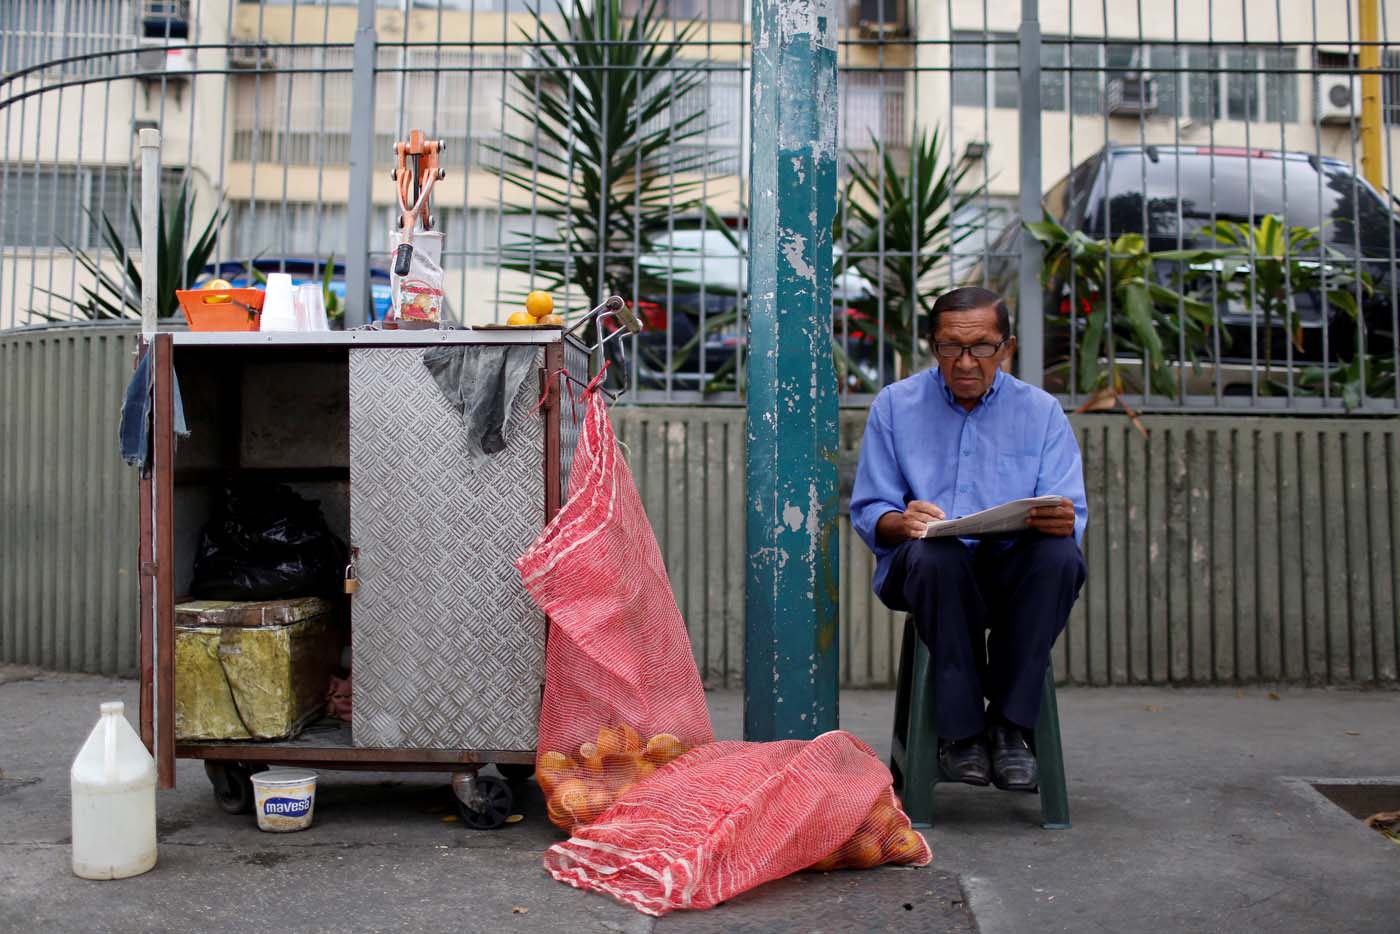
(1189, 808)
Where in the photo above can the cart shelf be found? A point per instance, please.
(328, 741)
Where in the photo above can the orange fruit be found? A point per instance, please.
(590, 759)
(863, 851)
(539, 303)
(520, 318)
(576, 801)
(217, 285)
(629, 738)
(551, 778)
(553, 760)
(663, 747)
(609, 741)
(619, 770)
(558, 816)
(904, 846)
(599, 800)
(556, 320)
(883, 819)
(827, 863)
(645, 769)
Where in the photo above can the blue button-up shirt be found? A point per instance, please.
(921, 444)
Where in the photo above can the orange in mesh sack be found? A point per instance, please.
(663, 817)
(622, 696)
(731, 816)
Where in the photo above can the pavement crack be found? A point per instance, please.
(1258, 901)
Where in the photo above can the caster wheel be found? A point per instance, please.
(233, 786)
(488, 803)
(515, 771)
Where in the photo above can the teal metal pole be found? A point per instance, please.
(790, 644)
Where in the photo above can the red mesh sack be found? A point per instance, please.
(622, 696)
(729, 816)
(662, 817)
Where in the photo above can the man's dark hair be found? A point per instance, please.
(970, 298)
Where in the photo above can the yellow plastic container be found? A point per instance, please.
(253, 670)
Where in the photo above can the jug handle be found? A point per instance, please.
(110, 712)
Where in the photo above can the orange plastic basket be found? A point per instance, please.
(221, 309)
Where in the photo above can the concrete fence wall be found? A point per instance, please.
(1222, 549)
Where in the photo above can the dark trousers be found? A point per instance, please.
(1021, 589)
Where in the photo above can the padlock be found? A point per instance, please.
(352, 582)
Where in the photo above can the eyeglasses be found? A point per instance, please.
(951, 350)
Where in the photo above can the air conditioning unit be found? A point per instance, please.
(1130, 96)
(250, 55)
(880, 18)
(1338, 98)
(157, 61)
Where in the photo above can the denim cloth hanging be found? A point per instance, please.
(136, 414)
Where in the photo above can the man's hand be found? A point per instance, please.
(1053, 520)
(895, 527)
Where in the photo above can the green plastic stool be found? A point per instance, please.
(914, 748)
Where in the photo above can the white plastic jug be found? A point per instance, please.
(114, 801)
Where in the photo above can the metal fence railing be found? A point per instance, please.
(1223, 231)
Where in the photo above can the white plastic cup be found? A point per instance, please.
(279, 309)
(311, 308)
(284, 799)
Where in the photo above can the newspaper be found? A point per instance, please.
(1008, 517)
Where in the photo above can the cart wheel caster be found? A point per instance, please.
(515, 772)
(488, 801)
(233, 786)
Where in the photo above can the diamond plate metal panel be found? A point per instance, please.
(448, 647)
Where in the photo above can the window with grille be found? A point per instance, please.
(34, 33)
(1203, 83)
(46, 206)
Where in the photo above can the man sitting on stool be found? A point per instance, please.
(950, 441)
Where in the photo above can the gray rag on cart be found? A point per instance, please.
(482, 381)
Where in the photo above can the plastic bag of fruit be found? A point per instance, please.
(416, 295)
(729, 816)
(622, 696)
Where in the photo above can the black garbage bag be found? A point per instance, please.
(266, 542)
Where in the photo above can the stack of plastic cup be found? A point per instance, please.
(279, 310)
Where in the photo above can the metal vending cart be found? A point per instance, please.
(448, 649)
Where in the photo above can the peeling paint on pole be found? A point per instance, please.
(791, 663)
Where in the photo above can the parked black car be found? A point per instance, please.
(1170, 193)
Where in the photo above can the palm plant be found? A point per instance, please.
(1265, 265)
(896, 228)
(178, 260)
(1120, 274)
(600, 161)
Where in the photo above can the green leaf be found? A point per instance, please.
(1090, 348)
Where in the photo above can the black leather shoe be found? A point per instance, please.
(1013, 763)
(965, 760)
